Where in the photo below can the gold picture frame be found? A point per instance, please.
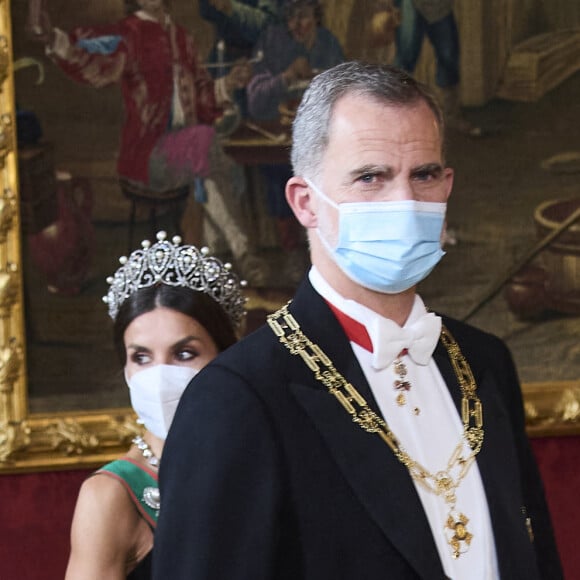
(65, 440)
(31, 442)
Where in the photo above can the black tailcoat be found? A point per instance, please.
(265, 476)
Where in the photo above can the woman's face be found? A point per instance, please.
(166, 336)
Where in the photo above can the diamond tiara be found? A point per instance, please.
(169, 262)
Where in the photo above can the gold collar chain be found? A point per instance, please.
(444, 483)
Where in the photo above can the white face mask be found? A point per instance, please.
(155, 393)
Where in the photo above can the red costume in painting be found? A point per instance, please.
(167, 139)
(158, 67)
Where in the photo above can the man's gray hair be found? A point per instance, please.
(383, 83)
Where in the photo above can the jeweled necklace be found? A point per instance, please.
(402, 385)
(146, 451)
(443, 483)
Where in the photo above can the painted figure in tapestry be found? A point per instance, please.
(168, 139)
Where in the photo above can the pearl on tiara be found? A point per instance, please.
(169, 262)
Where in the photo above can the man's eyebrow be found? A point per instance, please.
(371, 169)
(433, 168)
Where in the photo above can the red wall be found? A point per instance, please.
(35, 514)
(36, 510)
(559, 463)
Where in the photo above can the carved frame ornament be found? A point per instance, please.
(67, 440)
(35, 442)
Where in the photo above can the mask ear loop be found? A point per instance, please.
(320, 193)
(330, 202)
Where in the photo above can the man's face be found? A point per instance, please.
(302, 25)
(380, 153)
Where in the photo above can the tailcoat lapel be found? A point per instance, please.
(381, 483)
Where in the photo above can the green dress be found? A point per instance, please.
(141, 485)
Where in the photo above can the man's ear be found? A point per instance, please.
(300, 198)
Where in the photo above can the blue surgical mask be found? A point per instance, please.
(386, 246)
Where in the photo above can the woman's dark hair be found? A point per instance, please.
(197, 305)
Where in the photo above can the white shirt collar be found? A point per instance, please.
(387, 336)
(354, 309)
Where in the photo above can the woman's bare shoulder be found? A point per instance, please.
(106, 529)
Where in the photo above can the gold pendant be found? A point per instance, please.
(401, 385)
(458, 536)
(400, 368)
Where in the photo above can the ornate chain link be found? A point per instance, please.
(443, 483)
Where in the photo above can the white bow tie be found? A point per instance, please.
(419, 338)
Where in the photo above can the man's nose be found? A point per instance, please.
(400, 190)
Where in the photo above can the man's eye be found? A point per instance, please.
(368, 177)
(428, 175)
